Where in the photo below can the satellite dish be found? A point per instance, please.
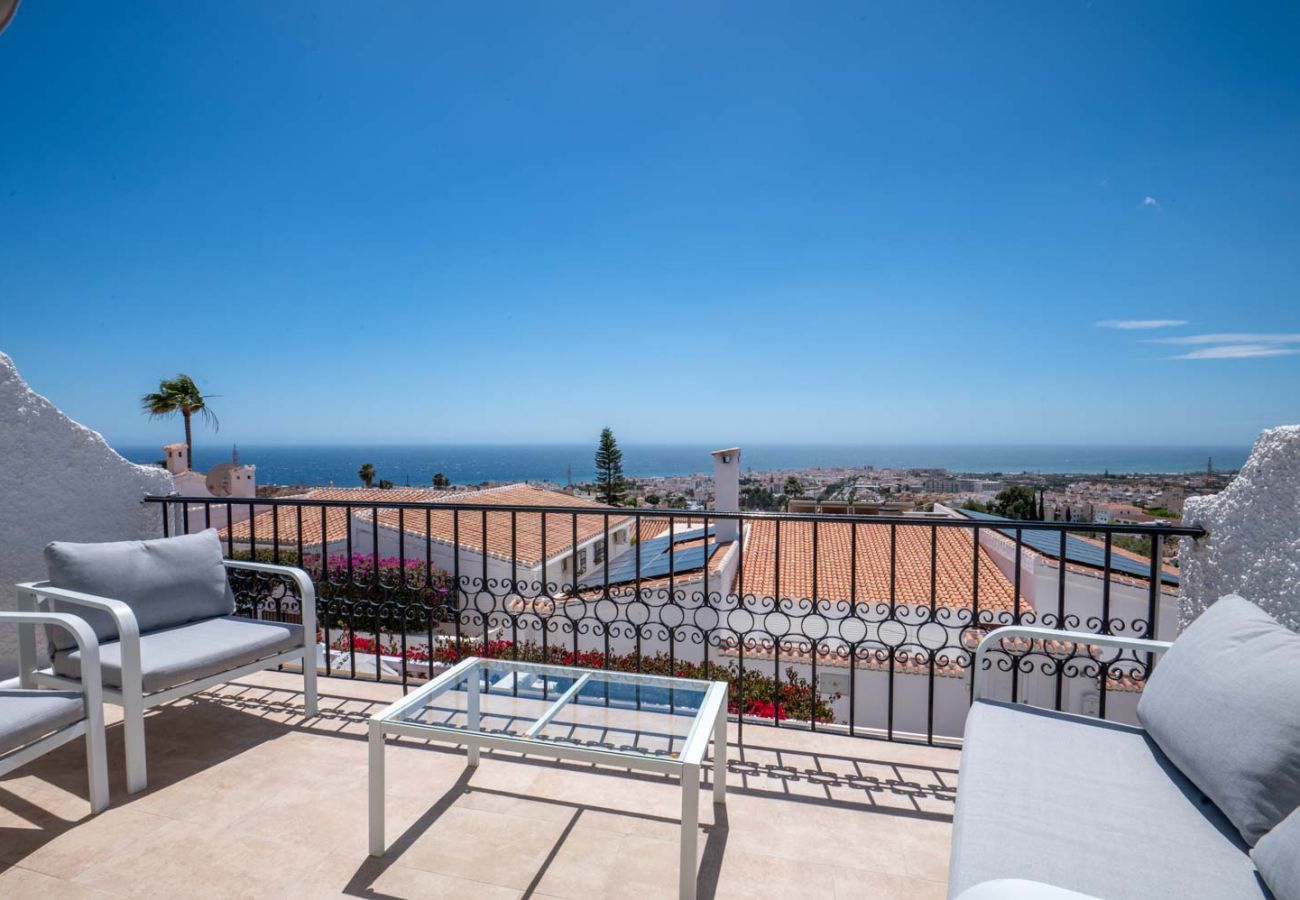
(218, 480)
(7, 10)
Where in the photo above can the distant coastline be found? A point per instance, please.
(472, 464)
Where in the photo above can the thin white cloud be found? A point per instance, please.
(1140, 324)
(1229, 339)
(1150, 202)
(1238, 351)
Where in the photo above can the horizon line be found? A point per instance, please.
(137, 443)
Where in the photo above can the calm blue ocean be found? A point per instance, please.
(469, 464)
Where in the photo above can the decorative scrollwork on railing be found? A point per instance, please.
(412, 615)
(265, 595)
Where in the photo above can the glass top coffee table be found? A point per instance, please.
(619, 719)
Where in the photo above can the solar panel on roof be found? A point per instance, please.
(1077, 550)
(656, 560)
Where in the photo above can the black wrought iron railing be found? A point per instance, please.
(865, 625)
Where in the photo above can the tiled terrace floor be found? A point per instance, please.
(249, 799)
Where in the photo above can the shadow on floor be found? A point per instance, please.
(172, 752)
(189, 736)
(855, 781)
(715, 840)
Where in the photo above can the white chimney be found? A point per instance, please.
(726, 491)
(178, 458)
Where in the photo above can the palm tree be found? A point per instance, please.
(180, 395)
(367, 474)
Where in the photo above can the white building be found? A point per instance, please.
(504, 551)
(230, 481)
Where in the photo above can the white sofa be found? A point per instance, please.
(1200, 802)
(163, 612)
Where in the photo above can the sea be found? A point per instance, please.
(415, 464)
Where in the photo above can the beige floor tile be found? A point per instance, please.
(31, 814)
(481, 846)
(856, 884)
(101, 837)
(336, 823)
(585, 863)
(417, 884)
(817, 833)
(926, 848)
(25, 884)
(195, 861)
(748, 876)
(360, 876)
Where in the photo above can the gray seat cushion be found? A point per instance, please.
(188, 652)
(1090, 806)
(1277, 856)
(27, 715)
(1224, 705)
(168, 581)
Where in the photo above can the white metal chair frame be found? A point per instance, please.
(91, 724)
(1084, 638)
(131, 696)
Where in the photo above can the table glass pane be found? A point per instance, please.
(611, 712)
(509, 701)
(616, 711)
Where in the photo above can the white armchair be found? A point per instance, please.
(170, 632)
(34, 722)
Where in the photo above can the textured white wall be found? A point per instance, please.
(1253, 546)
(59, 481)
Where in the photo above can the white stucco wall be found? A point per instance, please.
(59, 481)
(1253, 546)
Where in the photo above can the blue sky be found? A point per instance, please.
(709, 222)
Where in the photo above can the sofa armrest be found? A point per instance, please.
(306, 590)
(31, 595)
(87, 643)
(1033, 633)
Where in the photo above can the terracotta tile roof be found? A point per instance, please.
(441, 524)
(285, 521)
(954, 562)
(658, 526)
(652, 528)
(526, 546)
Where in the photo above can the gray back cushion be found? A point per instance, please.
(1277, 857)
(1224, 706)
(166, 582)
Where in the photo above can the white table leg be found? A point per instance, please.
(690, 831)
(376, 790)
(720, 757)
(472, 715)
